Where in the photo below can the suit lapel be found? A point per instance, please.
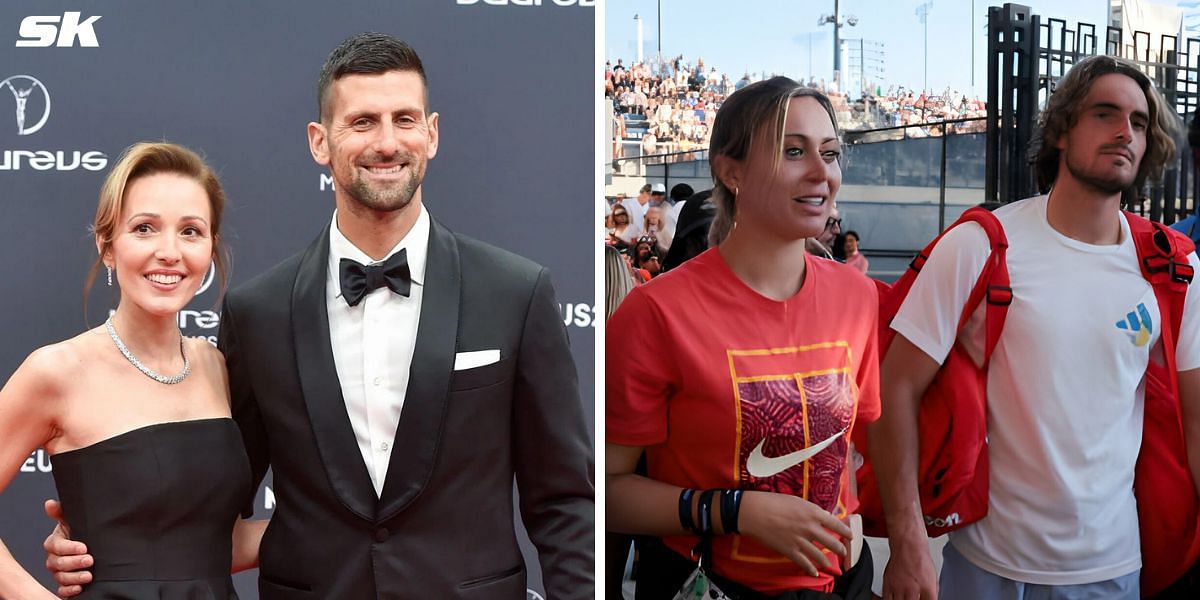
(331, 427)
(420, 430)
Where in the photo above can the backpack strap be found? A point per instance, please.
(1163, 258)
(993, 284)
(1167, 508)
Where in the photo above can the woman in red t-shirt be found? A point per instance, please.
(742, 373)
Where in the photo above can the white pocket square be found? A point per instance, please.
(477, 358)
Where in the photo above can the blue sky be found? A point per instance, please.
(775, 35)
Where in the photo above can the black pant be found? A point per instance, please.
(661, 572)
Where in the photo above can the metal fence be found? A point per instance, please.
(1027, 54)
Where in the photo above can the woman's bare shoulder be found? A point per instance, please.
(51, 373)
(62, 362)
(202, 351)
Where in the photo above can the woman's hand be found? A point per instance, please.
(793, 527)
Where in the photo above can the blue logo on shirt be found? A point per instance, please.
(1138, 325)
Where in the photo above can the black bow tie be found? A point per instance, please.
(358, 280)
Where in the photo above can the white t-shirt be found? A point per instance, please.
(1065, 393)
(636, 210)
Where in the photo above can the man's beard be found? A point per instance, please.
(388, 197)
(1111, 184)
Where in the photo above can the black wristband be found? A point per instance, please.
(731, 505)
(705, 513)
(685, 510)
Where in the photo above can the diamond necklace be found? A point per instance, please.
(112, 332)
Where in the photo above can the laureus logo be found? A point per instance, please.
(31, 110)
(25, 88)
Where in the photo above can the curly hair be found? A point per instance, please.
(1062, 111)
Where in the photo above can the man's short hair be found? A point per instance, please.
(681, 191)
(368, 54)
(645, 189)
(1062, 111)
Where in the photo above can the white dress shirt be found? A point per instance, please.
(373, 345)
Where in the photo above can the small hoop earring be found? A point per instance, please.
(109, 275)
(735, 191)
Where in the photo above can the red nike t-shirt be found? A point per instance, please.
(728, 389)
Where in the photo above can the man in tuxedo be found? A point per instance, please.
(396, 376)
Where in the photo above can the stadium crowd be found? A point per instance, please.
(669, 107)
(642, 230)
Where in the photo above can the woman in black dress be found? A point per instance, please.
(149, 467)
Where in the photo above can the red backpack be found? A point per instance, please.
(953, 411)
(952, 464)
(1168, 510)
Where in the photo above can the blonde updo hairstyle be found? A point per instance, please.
(143, 160)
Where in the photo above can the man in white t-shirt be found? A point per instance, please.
(1065, 384)
(637, 206)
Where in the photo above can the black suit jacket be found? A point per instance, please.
(443, 527)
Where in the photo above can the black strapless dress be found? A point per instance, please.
(156, 508)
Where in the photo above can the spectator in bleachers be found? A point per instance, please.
(649, 143)
(658, 193)
(625, 99)
(822, 244)
(640, 100)
(691, 229)
(637, 206)
(655, 226)
(854, 258)
(665, 107)
(624, 231)
(833, 227)
(680, 192)
(645, 256)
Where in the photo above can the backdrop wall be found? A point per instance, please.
(81, 80)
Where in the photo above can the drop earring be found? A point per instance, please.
(109, 275)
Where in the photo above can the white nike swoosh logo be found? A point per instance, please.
(760, 465)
